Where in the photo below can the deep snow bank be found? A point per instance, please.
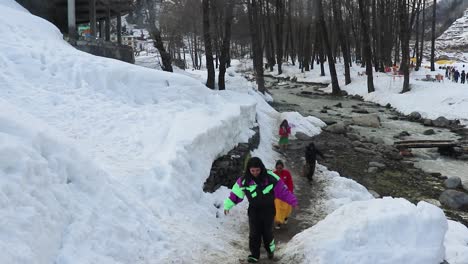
(149, 138)
(377, 231)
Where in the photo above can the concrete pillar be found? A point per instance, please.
(72, 34)
(108, 23)
(119, 28)
(92, 17)
(101, 29)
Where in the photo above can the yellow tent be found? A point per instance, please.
(443, 62)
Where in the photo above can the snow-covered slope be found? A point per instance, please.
(456, 36)
(102, 161)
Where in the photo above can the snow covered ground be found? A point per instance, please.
(104, 162)
(431, 99)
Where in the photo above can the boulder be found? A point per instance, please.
(465, 185)
(353, 136)
(372, 169)
(371, 120)
(415, 116)
(429, 132)
(454, 199)
(427, 122)
(441, 122)
(452, 182)
(338, 128)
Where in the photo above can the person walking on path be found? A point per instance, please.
(462, 77)
(283, 210)
(311, 154)
(261, 187)
(456, 76)
(284, 132)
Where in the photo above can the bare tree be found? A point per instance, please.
(434, 8)
(366, 43)
(223, 60)
(151, 8)
(210, 82)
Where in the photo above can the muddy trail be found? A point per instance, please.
(366, 154)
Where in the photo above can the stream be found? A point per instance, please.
(307, 99)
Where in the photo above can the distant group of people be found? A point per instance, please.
(270, 195)
(453, 74)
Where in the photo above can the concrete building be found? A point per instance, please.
(68, 14)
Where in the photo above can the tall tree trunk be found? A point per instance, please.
(434, 8)
(367, 48)
(210, 81)
(156, 36)
(331, 64)
(228, 17)
(405, 35)
(255, 34)
(421, 49)
(279, 34)
(342, 39)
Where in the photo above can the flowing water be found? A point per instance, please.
(309, 100)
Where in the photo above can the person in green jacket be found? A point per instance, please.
(261, 187)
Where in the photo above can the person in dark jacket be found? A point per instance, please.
(462, 77)
(311, 153)
(261, 187)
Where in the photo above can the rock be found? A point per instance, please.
(381, 111)
(427, 122)
(388, 106)
(376, 140)
(358, 144)
(339, 105)
(465, 186)
(441, 122)
(463, 157)
(454, 199)
(374, 193)
(324, 111)
(402, 134)
(328, 121)
(376, 164)
(414, 116)
(306, 92)
(343, 93)
(429, 132)
(453, 182)
(372, 169)
(435, 174)
(338, 128)
(433, 202)
(393, 118)
(371, 120)
(294, 79)
(360, 111)
(353, 136)
(364, 150)
(302, 136)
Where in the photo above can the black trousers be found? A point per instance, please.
(261, 227)
(310, 173)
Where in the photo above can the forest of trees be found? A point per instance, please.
(374, 34)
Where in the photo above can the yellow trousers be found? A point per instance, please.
(283, 210)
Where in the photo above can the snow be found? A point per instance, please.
(456, 243)
(124, 182)
(104, 162)
(381, 231)
(430, 99)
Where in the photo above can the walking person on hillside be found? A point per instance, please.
(283, 210)
(284, 132)
(311, 154)
(462, 77)
(456, 76)
(261, 186)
